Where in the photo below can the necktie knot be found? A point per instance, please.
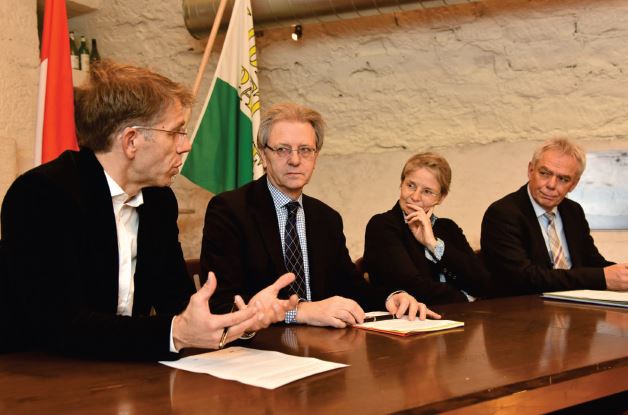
(292, 207)
(550, 217)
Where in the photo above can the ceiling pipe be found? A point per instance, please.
(198, 14)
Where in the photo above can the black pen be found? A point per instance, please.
(379, 318)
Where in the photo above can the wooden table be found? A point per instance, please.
(515, 355)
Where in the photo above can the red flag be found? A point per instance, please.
(55, 106)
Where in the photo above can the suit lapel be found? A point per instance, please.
(569, 224)
(537, 242)
(265, 217)
(97, 212)
(316, 252)
(146, 241)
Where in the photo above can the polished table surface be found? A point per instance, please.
(518, 355)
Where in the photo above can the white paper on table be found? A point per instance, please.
(593, 294)
(376, 313)
(404, 326)
(260, 368)
(605, 297)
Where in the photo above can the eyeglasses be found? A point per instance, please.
(426, 192)
(180, 136)
(284, 152)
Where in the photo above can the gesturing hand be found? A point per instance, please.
(268, 305)
(198, 327)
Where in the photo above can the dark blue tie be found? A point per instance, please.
(293, 256)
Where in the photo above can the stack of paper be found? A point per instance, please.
(405, 327)
(610, 298)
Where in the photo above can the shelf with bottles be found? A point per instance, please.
(82, 57)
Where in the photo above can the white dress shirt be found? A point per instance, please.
(127, 223)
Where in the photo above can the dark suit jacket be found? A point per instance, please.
(395, 259)
(59, 238)
(515, 252)
(242, 245)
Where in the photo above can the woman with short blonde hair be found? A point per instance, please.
(409, 248)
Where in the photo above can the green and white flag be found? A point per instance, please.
(223, 152)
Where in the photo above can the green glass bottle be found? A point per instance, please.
(84, 55)
(74, 55)
(94, 56)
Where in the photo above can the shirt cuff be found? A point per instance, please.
(439, 251)
(172, 348)
(291, 315)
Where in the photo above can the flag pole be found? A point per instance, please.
(209, 46)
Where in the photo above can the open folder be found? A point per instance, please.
(610, 298)
(386, 323)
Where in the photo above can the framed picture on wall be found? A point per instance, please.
(603, 190)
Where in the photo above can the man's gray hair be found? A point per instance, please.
(290, 112)
(566, 147)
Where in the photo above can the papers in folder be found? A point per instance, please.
(610, 298)
(405, 327)
(254, 367)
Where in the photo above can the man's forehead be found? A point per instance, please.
(292, 130)
(558, 163)
(174, 113)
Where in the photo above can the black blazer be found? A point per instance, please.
(515, 252)
(59, 238)
(242, 245)
(396, 260)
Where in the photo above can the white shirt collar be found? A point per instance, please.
(118, 194)
(538, 209)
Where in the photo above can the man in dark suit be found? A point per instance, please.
(93, 262)
(269, 226)
(536, 240)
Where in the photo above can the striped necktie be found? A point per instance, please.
(556, 248)
(293, 256)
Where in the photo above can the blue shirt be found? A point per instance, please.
(280, 201)
(539, 211)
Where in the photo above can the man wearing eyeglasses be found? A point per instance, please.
(537, 240)
(91, 238)
(269, 226)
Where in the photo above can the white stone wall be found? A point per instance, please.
(19, 76)
(482, 173)
(482, 83)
